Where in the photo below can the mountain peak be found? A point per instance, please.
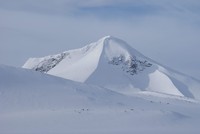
(105, 39)
(111, 63)
(107, 50)
(114, 47)
(108, 37)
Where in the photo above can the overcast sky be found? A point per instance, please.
(167, 31)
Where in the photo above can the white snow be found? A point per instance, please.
(33, 102)
(159, 82)
(83, 61)
(113, 64)
(115, 90)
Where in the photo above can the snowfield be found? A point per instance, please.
(33, 102)
(106, 87)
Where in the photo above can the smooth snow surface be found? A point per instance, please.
(34, 103)
(111, 63)
(157, 80)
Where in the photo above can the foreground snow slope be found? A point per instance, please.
(22, 89)
(33, 102)
(113, 64)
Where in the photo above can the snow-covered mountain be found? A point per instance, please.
(115, 89)
(112, 63)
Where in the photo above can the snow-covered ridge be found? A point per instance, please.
(113, 64)
(128, 61)
(47, 63)
(119, 53)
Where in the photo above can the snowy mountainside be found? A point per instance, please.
(112, 63)
(89, 54)
(47, 63)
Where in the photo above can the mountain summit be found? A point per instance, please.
(112, 63)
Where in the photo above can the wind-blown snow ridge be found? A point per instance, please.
(112, 63)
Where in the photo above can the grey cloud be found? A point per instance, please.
(71, 6)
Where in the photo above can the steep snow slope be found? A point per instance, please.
(113, 64)
(74, 61)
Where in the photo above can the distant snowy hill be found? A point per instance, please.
(113, 64)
